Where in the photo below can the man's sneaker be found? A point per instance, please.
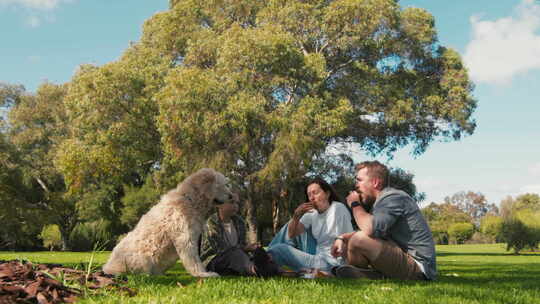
(353, 272)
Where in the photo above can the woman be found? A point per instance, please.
(322, 216)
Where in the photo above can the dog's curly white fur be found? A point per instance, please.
(171, 229)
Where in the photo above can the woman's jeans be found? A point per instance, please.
(297, 253)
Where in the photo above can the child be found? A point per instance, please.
(224, 249)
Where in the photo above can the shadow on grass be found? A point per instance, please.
(509, 254)
(482, 278)
(526, 275)
(466, 281)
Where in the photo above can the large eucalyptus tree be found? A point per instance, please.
(259, 89)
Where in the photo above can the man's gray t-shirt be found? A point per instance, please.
(396, 216)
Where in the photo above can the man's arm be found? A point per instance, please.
(363, 219)
(339, 247)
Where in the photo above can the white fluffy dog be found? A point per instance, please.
(171, 229)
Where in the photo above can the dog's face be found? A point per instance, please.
(210, 185)
(223, 193)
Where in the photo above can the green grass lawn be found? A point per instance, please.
(467, 274)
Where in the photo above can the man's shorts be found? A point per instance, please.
(394, 263)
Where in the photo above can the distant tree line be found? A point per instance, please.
(466, 217)
(263, 91)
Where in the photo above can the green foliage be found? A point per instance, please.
(19, 202)
(461, 207)
(260, 90)
(459, 233)
(137, 201)
(528, 201)
(37, 124)
(492, 226)
(112, 132)
(441, 216)
(51, 236)
(439, 230)
(472, 203)
(403, 180)
(518, 236)
(100, 202)
(10, 95)
(481, 238)
(88, 236)
(257, 89)
(521, 226)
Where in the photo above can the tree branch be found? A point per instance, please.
(42, 184)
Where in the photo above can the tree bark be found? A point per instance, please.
(276, 214)
(65, 238)
(251, 218)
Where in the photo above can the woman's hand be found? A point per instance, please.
(302, 209)
(295, 226)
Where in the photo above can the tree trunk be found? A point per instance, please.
(251, 219)
(65, 230)
(276, 214)
(65, 240)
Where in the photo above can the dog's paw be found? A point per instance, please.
(207, 275)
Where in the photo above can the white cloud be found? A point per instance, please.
(436, 189)
(535, 169)
(34, 13)
(530, 189)
(35, 4)
(505, 47)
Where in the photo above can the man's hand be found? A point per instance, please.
(339, 248)
(302, 209)
(353, 197)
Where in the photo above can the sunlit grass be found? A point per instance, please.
(467, 274)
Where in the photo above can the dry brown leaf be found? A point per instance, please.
(42, 299)
(32, 289)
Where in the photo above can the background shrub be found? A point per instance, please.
(492, 226)
(51, 237)
(137, 201)
(521, 232)
(90, 236)
(459, 233)
(481, 238)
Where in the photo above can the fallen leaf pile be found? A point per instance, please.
(24, 282)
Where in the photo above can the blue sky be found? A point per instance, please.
(499, 41)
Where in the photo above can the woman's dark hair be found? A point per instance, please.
(326, 188)
(333, 196)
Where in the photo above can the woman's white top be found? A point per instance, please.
(326, 227)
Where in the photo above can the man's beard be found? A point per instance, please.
(367, 199)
